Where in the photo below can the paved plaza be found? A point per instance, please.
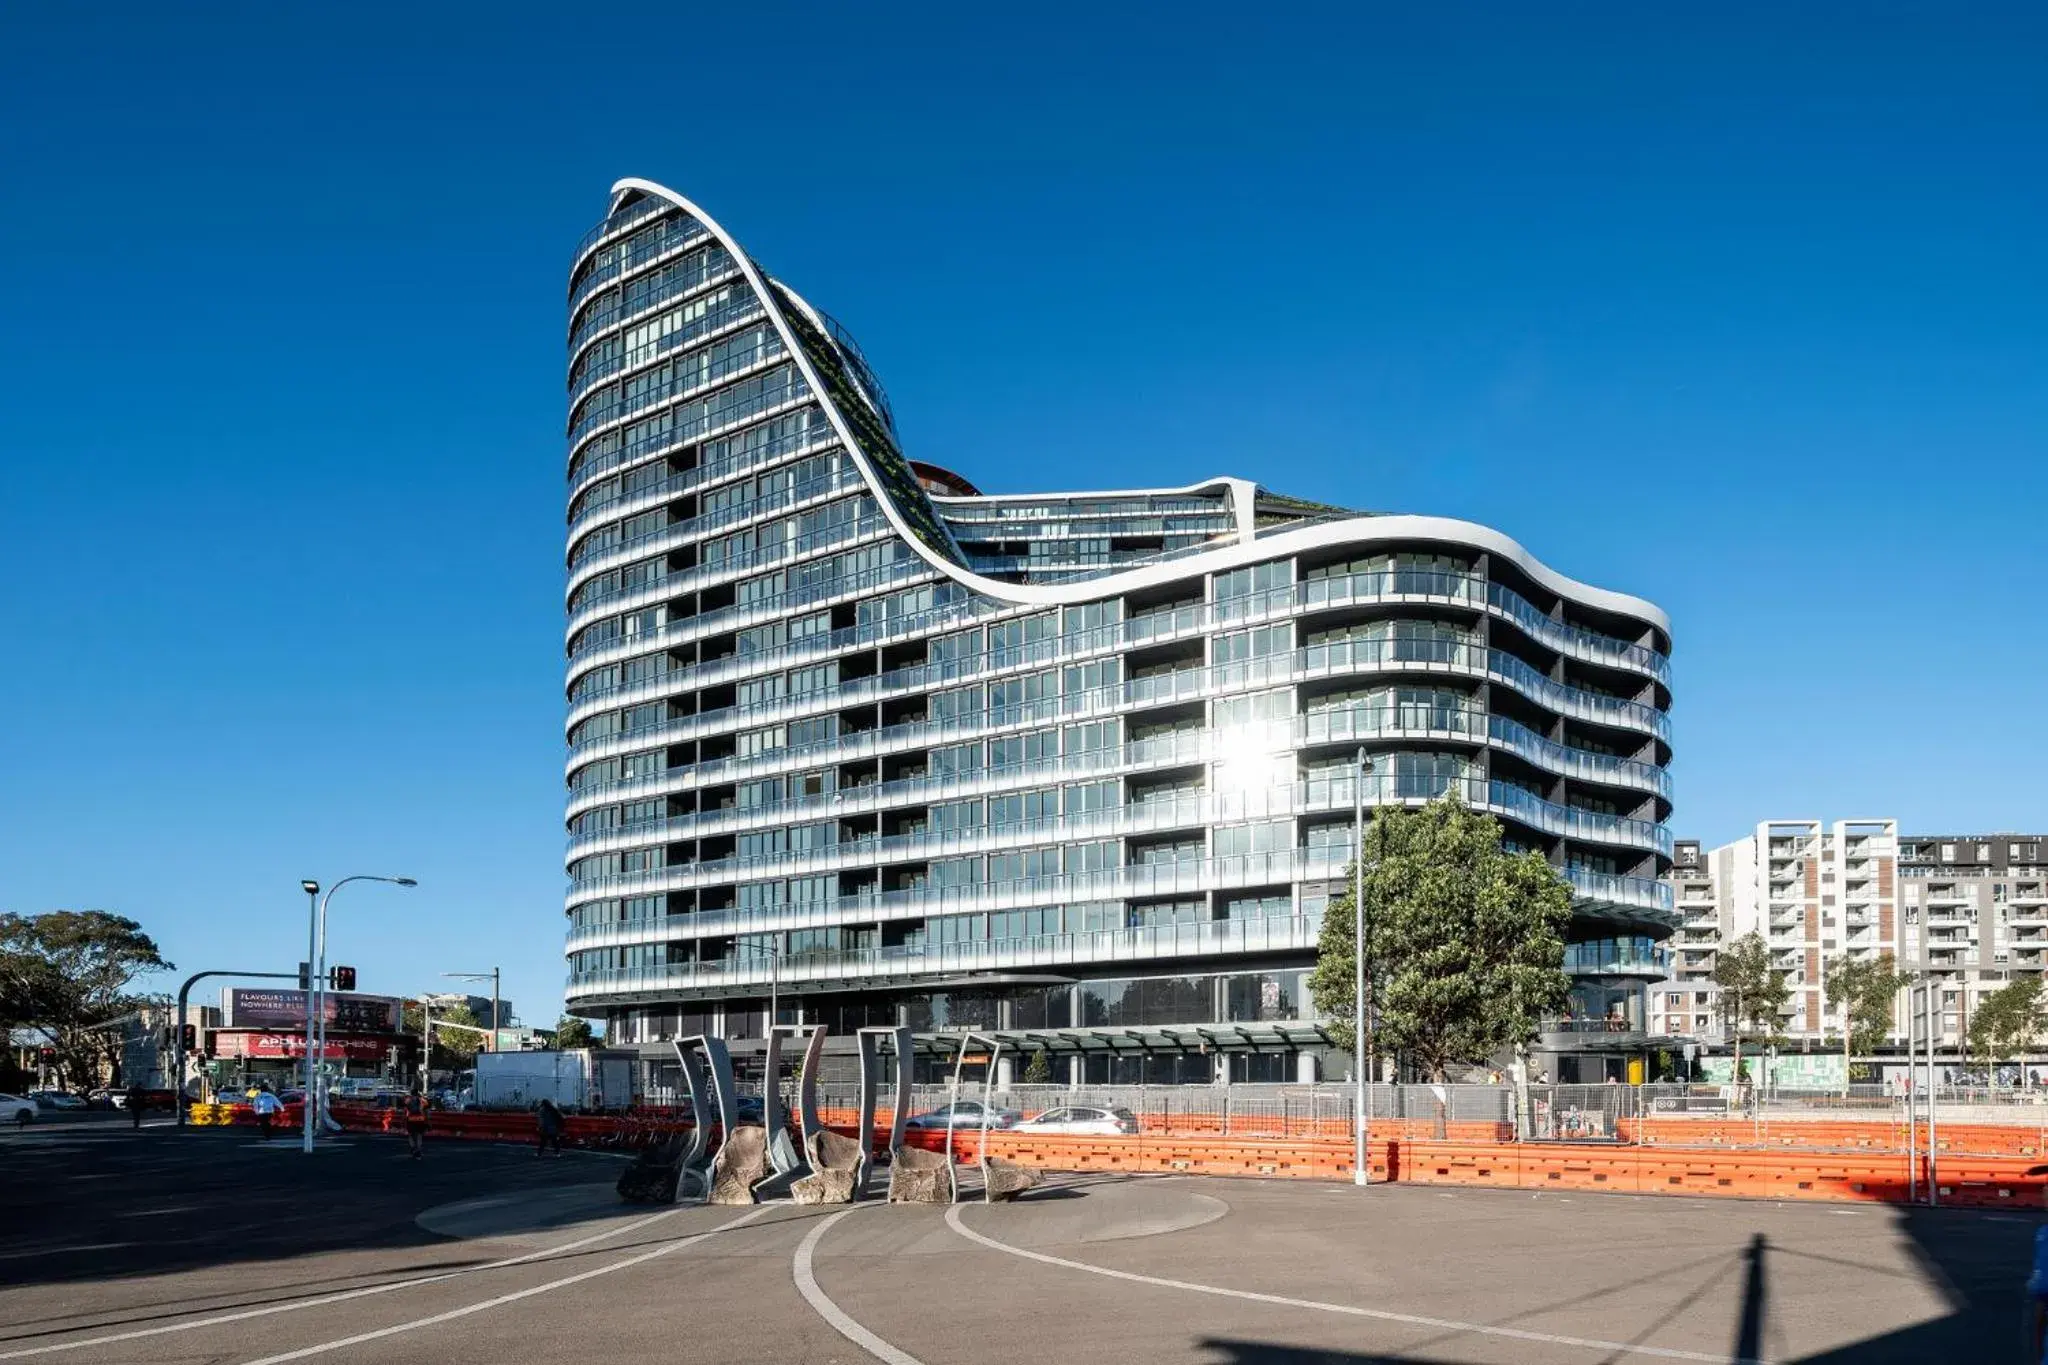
(205, 1246)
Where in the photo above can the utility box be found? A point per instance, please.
(581, 1078)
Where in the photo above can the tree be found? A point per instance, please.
(68, 974)
(1038, 1071)
(1864, 989)
(572, 1032)
(1464, 940)
(2007, 1021)
(454, 1048)
(457, 1045)
(1752, 991)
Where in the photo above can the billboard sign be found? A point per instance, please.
(293, 1045)
(1788, 1071)
(285, 1010)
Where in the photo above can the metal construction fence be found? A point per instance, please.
(1870, 1119)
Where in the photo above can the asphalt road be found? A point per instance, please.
(119, 1248)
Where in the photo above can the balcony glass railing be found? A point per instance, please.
(1214, 937)
(596, 556)
(1362, 723)
(1630, 956)
(702, 270)
(1193, 873)
(1154, 627)
(812, 438)
(634, 253)
(773, 391)
(756, 352)
(704, 329)
(616, 225)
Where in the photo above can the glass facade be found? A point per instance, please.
(830, 732)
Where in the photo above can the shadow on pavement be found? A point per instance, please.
(1225, 1351)
(1979, 1262)
(95, 1208)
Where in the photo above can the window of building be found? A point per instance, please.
(961, 644)
(955, 816)
(956, 872)
(1258, 643)
(1018, 808)
(1089, 677)
(1091, 737)
(1253, 707)
(1088, 798)
(1097, 856)
(956, 704)
(1009, 637)
(1007, 696)
(1255, 578)
(1266, 836)
(1264, 905)
(1023, 865)
(956, 760)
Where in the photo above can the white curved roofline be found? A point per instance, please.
(1247, 549)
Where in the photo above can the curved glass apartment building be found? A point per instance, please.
(848, 733)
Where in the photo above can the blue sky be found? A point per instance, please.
(1744, 312)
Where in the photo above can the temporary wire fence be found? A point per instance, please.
(1869, 1118)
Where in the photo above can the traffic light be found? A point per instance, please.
(48, 1056)
(188, 1037)
(305, 976)
(344, 978)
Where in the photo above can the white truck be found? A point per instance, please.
(579, 1079)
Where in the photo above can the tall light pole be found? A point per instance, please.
(492, 977)
(1361, 1172)
(316, 985)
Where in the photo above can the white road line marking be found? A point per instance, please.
(342, 1297)
(60, 1251)
(501, 1300)
(1616, 1348)
(807, 1285)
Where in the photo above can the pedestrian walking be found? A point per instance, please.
(268, 1107)
(416, 1122)
(134, 1098)
(548, 1121)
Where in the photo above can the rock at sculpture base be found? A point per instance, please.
(835, 1165)
(1003, 1180)
(742, 1160)
(920, 1177)
(651, 1179)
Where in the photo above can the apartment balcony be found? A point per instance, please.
(1590, 1035)
(1632, 957)
(838, 969)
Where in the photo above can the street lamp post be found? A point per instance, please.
(1361, 1172)
(492, 977)
(316, 985)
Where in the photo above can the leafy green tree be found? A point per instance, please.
(67, 974)
(2007, 1021)
(1752, 992)
(458, 1045)
(1038, 1071)
(1464, 940)
(1864, 989)
(571, 1032)
(454, 1048)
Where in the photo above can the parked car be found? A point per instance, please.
(965, 1114)
(57, 1099)
(17, 1110)
(1082, 1119)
